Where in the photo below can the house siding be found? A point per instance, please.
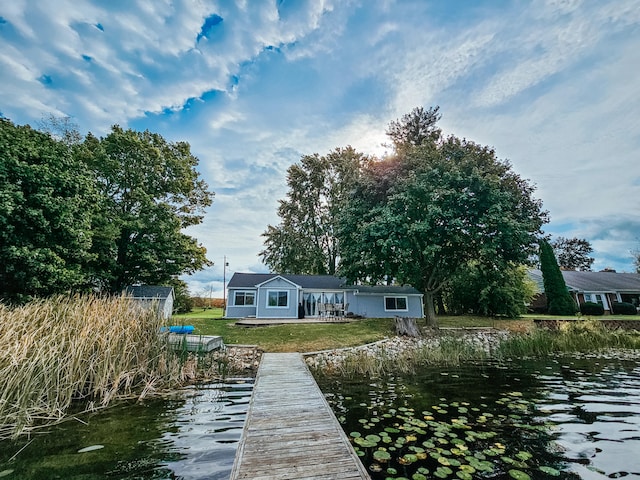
(263, 310)
(373, 305)
(366, 301)
(240, 311)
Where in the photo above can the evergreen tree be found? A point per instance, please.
(559, 301)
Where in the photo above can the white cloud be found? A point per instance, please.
(550, 84)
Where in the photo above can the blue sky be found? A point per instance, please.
(254, 85)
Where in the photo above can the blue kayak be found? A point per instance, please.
(179, 329)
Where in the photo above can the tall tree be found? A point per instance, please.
(47, 200)
(415, 128)
(490, 291)
(573, 253)
(150, 192)
(304, 241)
(422, 216)
(559, 299)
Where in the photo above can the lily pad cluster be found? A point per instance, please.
(451, 440)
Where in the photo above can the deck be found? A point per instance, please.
(290, 431)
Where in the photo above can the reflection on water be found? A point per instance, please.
(592, 406)
(595, 404)
(191, 436)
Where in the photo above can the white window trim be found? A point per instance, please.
(406, 302)
(253, 292)
(288, 292)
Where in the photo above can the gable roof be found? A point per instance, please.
(290, 282)
(602, 281)
(594, 281)
(252, 280)
(149, 291)
(315, 282)
(390, 289)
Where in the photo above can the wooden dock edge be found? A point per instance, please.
(354, 471)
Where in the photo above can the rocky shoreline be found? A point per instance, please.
(484, 339)
(245, 359)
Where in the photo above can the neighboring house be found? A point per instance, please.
(149, 295)
(604, 287)
(269, 295)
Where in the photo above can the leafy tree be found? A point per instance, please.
(47, 201)
(150, 192)
(573, 253)
(304, 241)
(490, 292)
(415, 128)
(422, 216)
(559, 299)
(63, 129)
(183, 303)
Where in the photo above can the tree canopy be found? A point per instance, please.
(98, 214)
(423, 215)
(304, 242)
(150, 192)
(47, 200)
(559, 301)
(573, 253)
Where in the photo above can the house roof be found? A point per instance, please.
(149, 291)
(602, 281)
(251, 280)
(391, 289)
(314, 282)
(595, 281)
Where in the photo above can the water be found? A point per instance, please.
(577, 417)
(191, 436)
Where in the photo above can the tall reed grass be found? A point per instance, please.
(583, 336)
(588, 336)
(445, 351)
(77, 352)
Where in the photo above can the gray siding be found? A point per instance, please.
(239, 311)
(373, 305)
(271, 287)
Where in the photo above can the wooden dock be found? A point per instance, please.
(290, 432)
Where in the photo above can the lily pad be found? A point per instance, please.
(519, 475)
(550, 471)
(381, 456)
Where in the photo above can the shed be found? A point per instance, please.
(149, 295)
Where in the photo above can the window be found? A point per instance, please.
(244, 298)
(278, 298)
(595, 298)
(395, 303)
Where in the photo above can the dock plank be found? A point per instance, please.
(290, 432)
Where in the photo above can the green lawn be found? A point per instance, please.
(296, 337)
(324, 336)
(200, 313)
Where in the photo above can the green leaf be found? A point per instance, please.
(519, 475)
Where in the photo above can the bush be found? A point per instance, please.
(591, 308)
(623, 308)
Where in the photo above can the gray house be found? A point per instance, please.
(149, 295)
(269, 295)
(604, 287)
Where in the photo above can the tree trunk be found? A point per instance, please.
(407, 326)
(430, 312)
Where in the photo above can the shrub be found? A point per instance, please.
(591, 308)
(623, 308)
